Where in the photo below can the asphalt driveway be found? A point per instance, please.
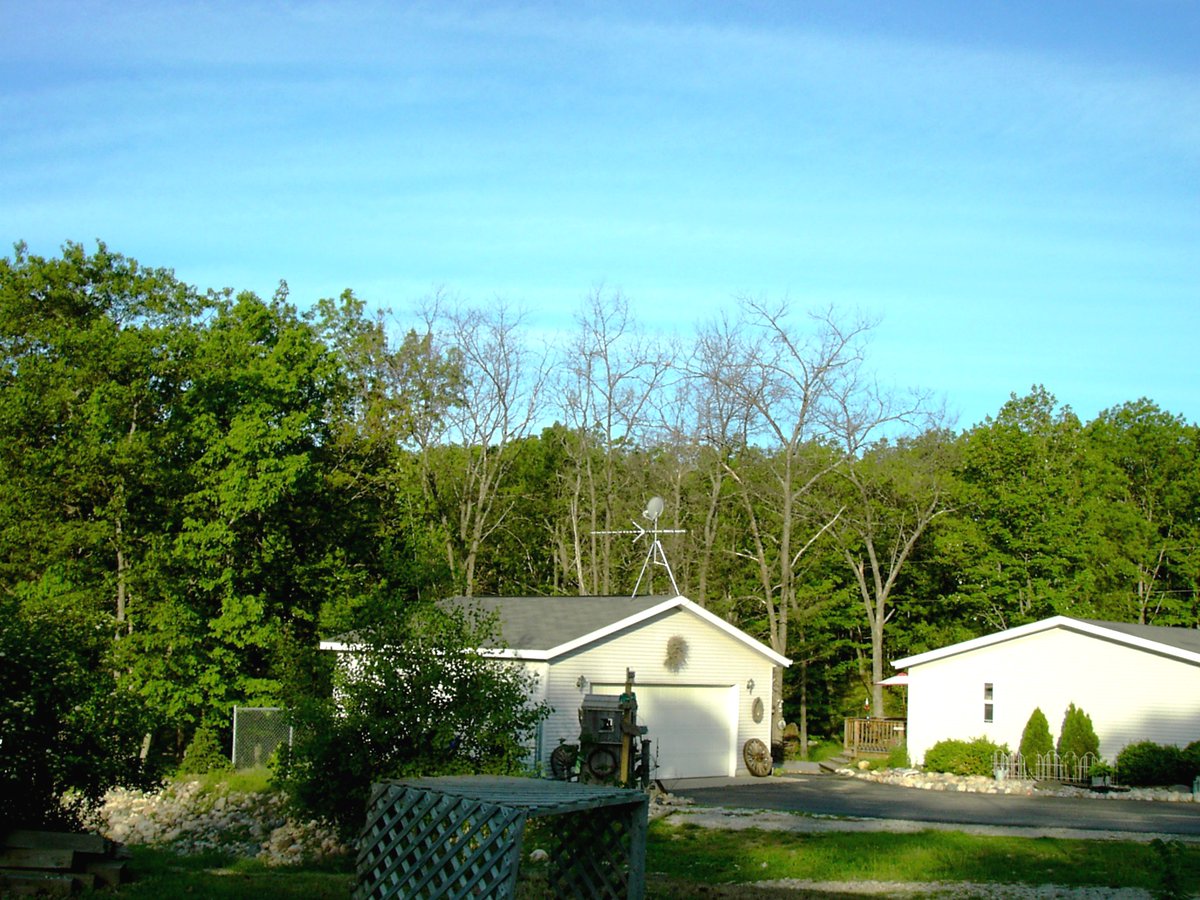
(833, 795)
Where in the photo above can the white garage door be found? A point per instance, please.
(692, 728)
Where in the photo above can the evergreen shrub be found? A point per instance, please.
(958, 757)
(1077, 736)
(1036, 739)
(204, 754)
(1147, 764)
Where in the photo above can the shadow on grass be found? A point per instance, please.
(161, 873)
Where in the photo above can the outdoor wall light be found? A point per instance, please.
(581, 683)
(750, 685)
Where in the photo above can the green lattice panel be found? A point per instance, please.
(590, 856)
(421, 844)
(461, 837)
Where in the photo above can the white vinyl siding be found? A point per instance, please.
(714, 660)
(692, 728)
(1131, 694)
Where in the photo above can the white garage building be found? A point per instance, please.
(703, 686)
(1137, 682)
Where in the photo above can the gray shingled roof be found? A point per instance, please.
(542, 623)
(1172, 641)
(1178, 638)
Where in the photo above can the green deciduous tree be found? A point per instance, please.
(67, 730)
(416, 697)
(257, 530)
(1152, 462)
(1026, 531)
(94, 351)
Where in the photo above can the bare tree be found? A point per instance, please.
(501, 399)
(609, 391)
(712, 431)
(774, 397)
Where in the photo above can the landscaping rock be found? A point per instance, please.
(187, 819)
(982, 784)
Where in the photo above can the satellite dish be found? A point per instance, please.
(653, 509)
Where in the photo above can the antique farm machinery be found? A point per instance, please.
(612, 747)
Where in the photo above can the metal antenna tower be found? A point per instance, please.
(655, 555)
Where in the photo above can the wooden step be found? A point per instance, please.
(32, 883)
(108, 872)
(36, 858)
(57, 863)
(834, 763)
(56, 840)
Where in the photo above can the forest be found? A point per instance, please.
(197, 485)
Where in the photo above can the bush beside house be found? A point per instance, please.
(957, 757)
(1147, 764)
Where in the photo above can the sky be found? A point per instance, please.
(1011, 188)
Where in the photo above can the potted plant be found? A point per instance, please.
(1101, 774)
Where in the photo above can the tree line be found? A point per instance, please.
(197, 485)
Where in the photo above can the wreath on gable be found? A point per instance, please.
(677, 652)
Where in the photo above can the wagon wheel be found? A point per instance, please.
(757, 757)
(562, 761)
(601, 763)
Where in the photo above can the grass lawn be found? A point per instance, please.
(689, 854)
(687, 860)
(161, 873)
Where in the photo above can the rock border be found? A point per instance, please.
(983, 784)
(191, 819)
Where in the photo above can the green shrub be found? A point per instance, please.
(1191, 761)
(1077, 736)
(67, 728)
(421, 700)
(897, 757)
(1147, 764)
(1036, 739)
(959, 757)
(204, 754)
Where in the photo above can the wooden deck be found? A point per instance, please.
(866, 737)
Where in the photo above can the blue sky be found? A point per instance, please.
(1012, 188)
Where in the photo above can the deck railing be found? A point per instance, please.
(873, 735)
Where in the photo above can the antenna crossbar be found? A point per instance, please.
(655, 555)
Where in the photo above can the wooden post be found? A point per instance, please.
(626, 727)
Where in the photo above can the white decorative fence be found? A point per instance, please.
(1068, 769)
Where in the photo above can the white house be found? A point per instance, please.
(1137, 682)
(701, 702)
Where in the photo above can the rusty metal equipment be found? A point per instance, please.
(612, 746)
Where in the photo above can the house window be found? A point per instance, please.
(987, 701)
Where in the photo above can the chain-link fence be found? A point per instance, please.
(257, 732)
